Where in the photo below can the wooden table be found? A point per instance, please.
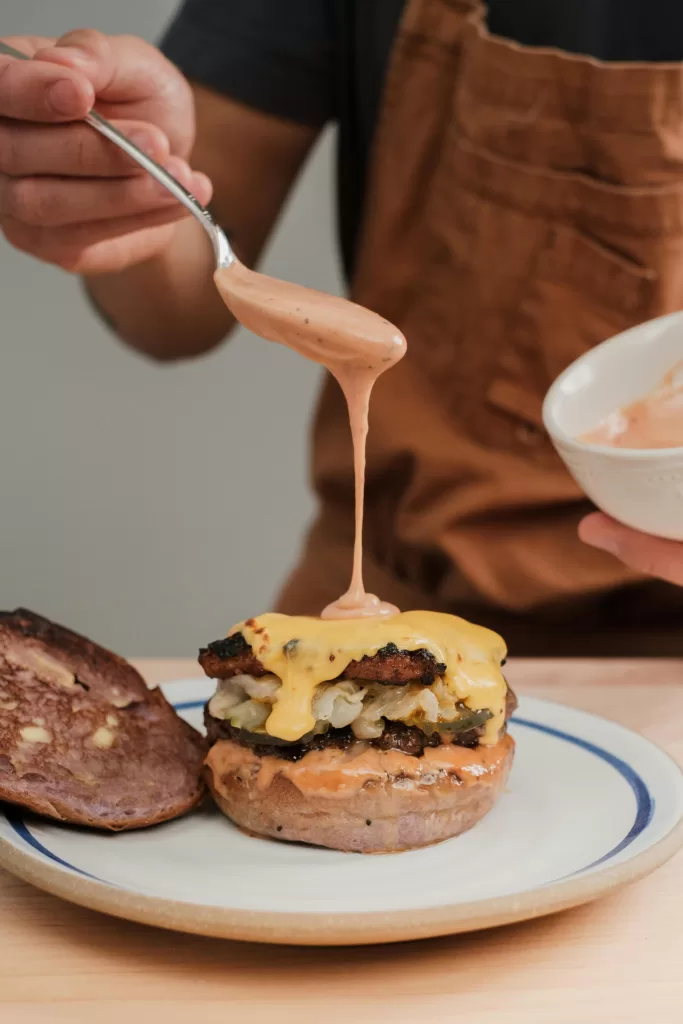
(617, 960)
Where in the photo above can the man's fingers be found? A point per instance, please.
(111, 256)
(86, 52)
(120, 68)
(74, 149)
(123, 77)
(28, 45)
(80, 247)
(32, 90)
(95, 255)
(67, 195)
(63, 78)
(131, 79)
(652, 556)
(66, 246)
(61, 202)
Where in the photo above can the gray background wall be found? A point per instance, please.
(130, 508)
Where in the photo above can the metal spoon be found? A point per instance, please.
(221, 246)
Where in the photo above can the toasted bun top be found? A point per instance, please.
(82, 738)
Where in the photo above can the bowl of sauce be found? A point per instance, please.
(616, 418)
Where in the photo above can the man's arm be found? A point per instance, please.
(168, 306)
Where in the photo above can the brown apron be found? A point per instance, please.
(524, 204)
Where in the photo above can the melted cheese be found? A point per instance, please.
(304, 652)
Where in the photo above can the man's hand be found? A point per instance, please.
(650, 555)
(68, 195)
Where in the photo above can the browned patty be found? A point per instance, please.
(82, 738)
(396, 736)
(233, 657)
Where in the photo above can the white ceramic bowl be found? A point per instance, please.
(641, 488)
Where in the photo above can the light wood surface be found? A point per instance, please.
(617, 960)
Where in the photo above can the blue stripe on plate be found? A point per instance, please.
(645, 804)
(189, 705)
(17, 822)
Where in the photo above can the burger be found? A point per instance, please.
(369, 735)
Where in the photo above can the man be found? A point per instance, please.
(509, 194)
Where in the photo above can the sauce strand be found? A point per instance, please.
(356, 602)
(354, 344)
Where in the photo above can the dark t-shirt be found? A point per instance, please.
(314, 61)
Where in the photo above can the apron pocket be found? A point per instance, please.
(582, 292)
(527, 269)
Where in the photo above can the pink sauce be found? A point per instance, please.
(655, 421)
(342, 773)
(354, 344)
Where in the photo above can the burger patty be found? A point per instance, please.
(396, 736)
(233, 656)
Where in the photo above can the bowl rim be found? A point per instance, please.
(556, 432)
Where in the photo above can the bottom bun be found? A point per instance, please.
(361, 799)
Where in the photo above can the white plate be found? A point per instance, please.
(590, 806)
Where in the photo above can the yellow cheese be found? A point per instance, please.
(304, 652)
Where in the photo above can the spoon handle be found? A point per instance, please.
(222, 249)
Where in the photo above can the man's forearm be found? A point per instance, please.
(167, 307)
